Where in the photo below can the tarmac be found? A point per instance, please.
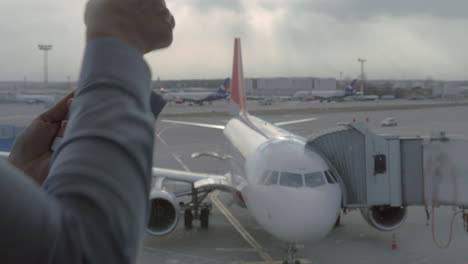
(235, 237)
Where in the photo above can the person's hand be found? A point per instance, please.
(145, 24)
(31, 151)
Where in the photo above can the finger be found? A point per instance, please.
(63, 126)
(69, 102)
(58, 112)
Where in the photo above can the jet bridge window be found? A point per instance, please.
(380, 164)
(291, 179)
(271, 177)
(314, 179)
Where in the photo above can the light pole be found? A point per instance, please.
(340, 81)
(362, 61)
(46, 49)
(69, 82)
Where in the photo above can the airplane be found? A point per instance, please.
(366, 98)
(296, 199)
(33, 98)
(199, 97)
(288, 186)
(334, 95)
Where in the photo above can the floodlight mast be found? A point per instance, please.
(46, 49)
(362, 61)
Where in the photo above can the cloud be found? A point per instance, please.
(368, 9)
(211, 5)
(400, 39)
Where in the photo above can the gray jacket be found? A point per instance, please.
(93, 205)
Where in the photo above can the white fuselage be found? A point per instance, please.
(286, 205)
(320, 94)
(34, 98)
(195, 96)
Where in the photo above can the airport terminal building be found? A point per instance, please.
(287, 86)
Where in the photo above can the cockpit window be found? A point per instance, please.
(335, 179)
(314, 179)
(271, 177)
(329, 178)
(291, 179)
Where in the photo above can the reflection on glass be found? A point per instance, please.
(335, 179)
(329, 178)
(314, 179)
(291, 179)
(271, 177)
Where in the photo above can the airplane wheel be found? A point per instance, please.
(204, 217)
(188, 218)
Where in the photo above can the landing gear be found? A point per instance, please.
(188, 218)
(196, 210)
(292, 250)
(295, 262)
(204, 218)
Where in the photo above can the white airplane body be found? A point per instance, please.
(34, 98)
(326, 94)
(276, 191)
(281, 181)
(329, 95)
(290, 189)
(199, 97)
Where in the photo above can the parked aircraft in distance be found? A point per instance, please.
(19, 96)
(333, 95)
(199, 97)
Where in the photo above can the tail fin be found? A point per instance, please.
(237, 81)
(354, 84)
(351, 88)
(223, 89)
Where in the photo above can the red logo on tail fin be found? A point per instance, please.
(237, 81)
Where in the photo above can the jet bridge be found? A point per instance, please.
(393, 171)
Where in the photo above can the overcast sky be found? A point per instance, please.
(401, 39)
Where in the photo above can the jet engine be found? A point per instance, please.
(384, 218)
(164, 213)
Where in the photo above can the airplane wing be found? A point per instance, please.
(220, 127)
(201, 181)
(291, 122)
(184, 176)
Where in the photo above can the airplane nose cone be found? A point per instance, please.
(295, 214)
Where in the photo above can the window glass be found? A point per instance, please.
(291, 179)
(314, 179)
(329, 178)
(271, 177)
(335, 179)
